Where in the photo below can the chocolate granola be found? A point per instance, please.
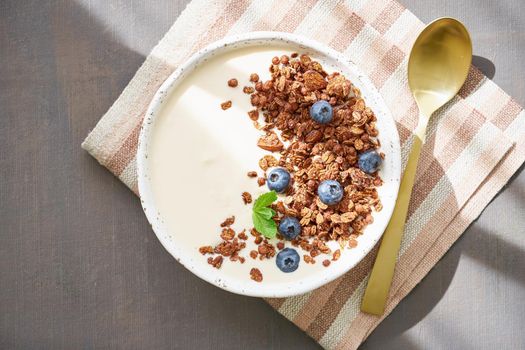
(313, 152)
(256, 275)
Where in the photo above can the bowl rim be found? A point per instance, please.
(152, 111)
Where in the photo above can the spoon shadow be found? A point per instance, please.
(484, 65)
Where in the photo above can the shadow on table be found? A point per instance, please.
(520, 194)
(65, 222)
(479, 244)
(484, 246)
(484, 65)
(496, 253)
(423, 298)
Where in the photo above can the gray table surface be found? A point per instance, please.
(80, 266)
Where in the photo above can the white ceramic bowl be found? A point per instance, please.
(310, 276)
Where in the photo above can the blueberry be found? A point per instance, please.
(289, 227)
(321, 112)
(369, 161)
(278, 180)
(287, 260)
(330, 192)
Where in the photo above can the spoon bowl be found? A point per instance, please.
(439, 63)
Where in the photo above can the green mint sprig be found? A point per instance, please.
(262, 214)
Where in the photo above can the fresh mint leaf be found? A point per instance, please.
(266, 227)
(265, 212)
(262, 215)
(265, 200)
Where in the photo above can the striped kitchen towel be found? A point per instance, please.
(475, 143)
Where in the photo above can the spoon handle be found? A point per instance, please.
(377, 290)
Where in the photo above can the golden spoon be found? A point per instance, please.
(437, 68)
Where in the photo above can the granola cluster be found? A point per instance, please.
(313, 152)
(265, 250)
(232, 243)
(256, 275)
(230, 246)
